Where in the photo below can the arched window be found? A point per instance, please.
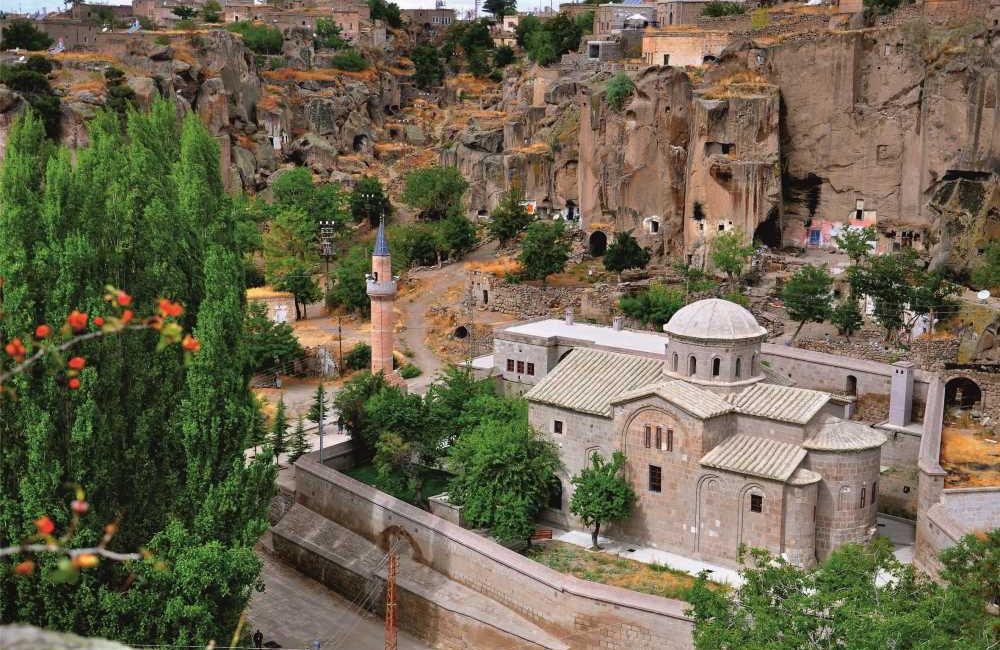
(716, 366)
(739, 362)
(753, 365)
(692, 365)
(674, 364)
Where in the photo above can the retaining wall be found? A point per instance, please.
(588, 615)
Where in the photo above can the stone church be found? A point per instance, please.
(721, 450)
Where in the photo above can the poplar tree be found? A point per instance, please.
(155, 441)
(279, 430)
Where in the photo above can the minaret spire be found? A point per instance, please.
(382, 293)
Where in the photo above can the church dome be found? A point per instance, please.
(714, 320)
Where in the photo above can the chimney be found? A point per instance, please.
(617, 322)
(901, 394)
(569, 315)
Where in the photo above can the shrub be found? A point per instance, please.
(259, 38)
(350, 60)
(409, 371)
(719, 8)
(655, 306)
(503, 56)
(22, 33)
(760, 18)
(359, 358)
(328, 34)
(387, 12)
(620, 87)
(162, 40)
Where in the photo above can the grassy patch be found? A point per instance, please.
(435, 482)
(655, 579)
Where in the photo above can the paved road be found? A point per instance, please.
(294, 609)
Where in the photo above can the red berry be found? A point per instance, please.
(123, 299)
(98, 321)
(44, 525)
(25, 568)
(76, 363)
(77, 321)
(191, 344)
(42, 331)
(79, 506)
(127, 316)
(74, 383)
(16, 350)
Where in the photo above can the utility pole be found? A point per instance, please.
(340, 342)
(390, 599)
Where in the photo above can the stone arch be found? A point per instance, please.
(623, 432)
(597, 243)
(392, 533)
(851, 387)
(739, 368)
(674, 361)
(753, 365)
(709, 58)
(706, 484)
(692, 366)
(461, 332)
(716, 366)
(962, 392)
(743, 504)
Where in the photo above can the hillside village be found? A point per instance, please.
(511, 327)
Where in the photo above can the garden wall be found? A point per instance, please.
(588, 615)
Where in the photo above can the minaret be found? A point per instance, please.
(382, 292)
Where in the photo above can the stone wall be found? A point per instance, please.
(932, 354)
(608, 617)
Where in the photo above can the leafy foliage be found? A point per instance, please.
(858, 598)
(409, 371)
(730, 255)
(149, 211)
(297, 444)
(369, 201)
(429, 70)
(857, 243)
(388, 12)
(718, 8)
(760, 18)
(546, 41)
(500, 8)
(601, 494)
(269, 343)
(184, 12)
(620, 87)
(883, 7)
(544, 250)
(34, 86)
(986, 274)
(350, 60)
(121, 97)
(847, 317)
(349, 287)
(359, 357)
(808, 296)
(260, 38)
(509, 218)
(328, 34)
(503, 472)
(211, 12)
(503, 56)
(625, 253)
(655, 306)
(434, 191)
(585, 21)
(279, 429)
(21, 33)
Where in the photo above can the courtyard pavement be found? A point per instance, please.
(899, 531)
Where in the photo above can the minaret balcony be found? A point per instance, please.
(376, 288)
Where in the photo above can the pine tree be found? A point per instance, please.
(279, 430)
(320, 406)
(297, 445)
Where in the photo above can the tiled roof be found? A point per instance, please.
(761, 457)
(785, 403)
(803, 476)
(772, 376)
(834, 434)
(587, 380)
(696, 401)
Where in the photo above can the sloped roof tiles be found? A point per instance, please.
(770, 459)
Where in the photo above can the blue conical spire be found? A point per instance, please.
(381, 243)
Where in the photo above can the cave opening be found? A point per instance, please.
(768, 232)
(598, 243)
(360, 143)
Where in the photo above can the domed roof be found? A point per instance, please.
(714, 319)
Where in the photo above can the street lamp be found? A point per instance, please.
(327, 228)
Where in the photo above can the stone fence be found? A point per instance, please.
(587, 615)
(526, 301)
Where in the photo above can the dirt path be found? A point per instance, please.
(413, 308)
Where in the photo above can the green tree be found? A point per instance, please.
(369, 201)
(601, 494)
(585, 22)
(184, 13)
(883, 7)
(620, 88)
(544, 250)
(500, 8)
(349, 287)
(295, 190)
(328, 34)
(847, 317)
(503, 473)
(478, 62)
(262, 39)
(932, 294)
(121, 97)
(428, 68)
(730, 255)
(211, 12)
(359, 357)
(856, 242)
(33, 86)
(541, 47)
(397, 472)
(503, 56)
(655, 306)
(297, 444)
(457, 234)
(21, 33)
(986, 274)
(350, 60)
(625, 253)
(509, 218)
(887, 279)
(434, 191)
(148, 213)
(350, 402)
(268, 343)
(808, 296)
(388, 12)
(525, 26)
(279, 430)
(290, 257)
(858, 598)
(717, 8)
(320, 407)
